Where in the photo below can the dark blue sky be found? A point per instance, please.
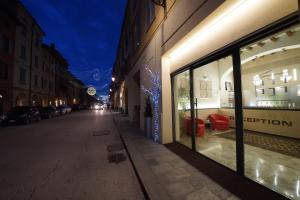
(86, 32)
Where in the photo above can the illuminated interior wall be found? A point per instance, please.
(229, 22)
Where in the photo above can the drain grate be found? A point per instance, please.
(116, 158)
(115, 147)
(101, 133)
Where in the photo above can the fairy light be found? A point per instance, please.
(154, 93)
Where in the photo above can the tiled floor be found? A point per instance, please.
(277, 171)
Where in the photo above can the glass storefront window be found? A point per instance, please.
(271, 102)
(214, 111)
(182, 109)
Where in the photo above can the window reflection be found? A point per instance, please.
(183, 123)
(271, 101)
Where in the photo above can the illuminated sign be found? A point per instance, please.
(266, 121)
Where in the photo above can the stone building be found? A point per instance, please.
(220, 73)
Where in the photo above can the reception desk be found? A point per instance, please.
(282, 122)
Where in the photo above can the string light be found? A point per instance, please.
(154, 93)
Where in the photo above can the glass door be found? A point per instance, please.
(214, 110)
(182, 109)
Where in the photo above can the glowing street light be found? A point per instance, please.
(113, 79)
(110, 90)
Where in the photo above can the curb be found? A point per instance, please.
(144, 191)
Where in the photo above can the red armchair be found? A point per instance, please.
(219, 122)
(199, 126)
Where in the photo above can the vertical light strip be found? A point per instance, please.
(295, 74)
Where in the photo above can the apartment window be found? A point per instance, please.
(22, 78)
(50, 86)
(37, 41)
(24, 31)
(137, 32)
(23, 52)
(43, 83)
(3, 71)
(4, 43)
(150, 12)
(36, 80)
(36, 61)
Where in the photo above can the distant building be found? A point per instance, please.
(8, 24)
(27, 60)
(63, 86)
(31, 73)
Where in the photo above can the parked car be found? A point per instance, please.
(64, 109)
(77, 107)
(2, 117)
(69, 109)
(22, 115)
(49, 112)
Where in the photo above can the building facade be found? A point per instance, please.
(8, 24)
(26, 81)
(31, 73)
(228, 74)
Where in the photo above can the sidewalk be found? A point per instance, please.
(163, 174)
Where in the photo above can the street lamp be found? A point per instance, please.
(113, 79)
(110, 90)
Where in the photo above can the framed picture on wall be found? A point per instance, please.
(271, 91)
(228, 86)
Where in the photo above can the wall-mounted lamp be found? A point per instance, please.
(113, 79)
(110, 90)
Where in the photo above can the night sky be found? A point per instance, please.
(86, 32)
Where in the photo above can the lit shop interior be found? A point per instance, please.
(270, 86)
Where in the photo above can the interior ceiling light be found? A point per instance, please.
(257, 80)
(295, 77)
(270, 53)
(285, 76)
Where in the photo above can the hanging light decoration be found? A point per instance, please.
(257, 80)
(154, 93)
(285, 76)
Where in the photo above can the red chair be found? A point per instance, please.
(199, 126)
(219, 122)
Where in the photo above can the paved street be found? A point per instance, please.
(62, 158)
